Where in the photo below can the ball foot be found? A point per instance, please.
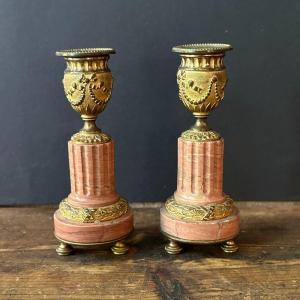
(173, 247)
(119, 248)
(64, 249)
(229, 247)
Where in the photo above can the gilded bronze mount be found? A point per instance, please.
(88, 87)
(207, 212)
(201, 79)
(93, 215)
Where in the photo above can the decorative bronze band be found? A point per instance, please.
(83, 137)
(200, 213)
(85, 52)
(200, 136)
(203, 48)
(93, 215)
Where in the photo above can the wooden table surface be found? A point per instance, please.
(267, 265)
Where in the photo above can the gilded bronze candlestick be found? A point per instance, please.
(199, 212)
(93, 213)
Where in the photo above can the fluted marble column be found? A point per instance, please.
(92, 174)
(199, 211)
(93, 212)
(200, 172)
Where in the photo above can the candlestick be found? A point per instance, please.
(93, 213)
(199, 212)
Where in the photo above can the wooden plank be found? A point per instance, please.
(266, 267)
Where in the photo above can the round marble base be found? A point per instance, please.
(200, 232)
(92, 233)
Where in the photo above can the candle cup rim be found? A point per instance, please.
(202, 48)
(85, 52)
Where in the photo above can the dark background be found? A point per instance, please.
(259, 117)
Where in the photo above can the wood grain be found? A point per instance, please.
(266, 267)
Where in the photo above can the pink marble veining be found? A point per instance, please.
(200, 183)
(201, 231)
(200, 172)
(92, 178)
(93, 232)
(92, 174)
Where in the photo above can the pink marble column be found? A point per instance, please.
(92, 178)
(199, 185)
(200, 172)
(92, 174)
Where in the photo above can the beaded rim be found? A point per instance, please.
(85, 52)
(206, 48)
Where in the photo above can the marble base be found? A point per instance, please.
(200, 232)
(92, 233)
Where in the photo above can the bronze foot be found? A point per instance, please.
(229, 246)
(173, 247)
(64, 249)
(119, 248)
